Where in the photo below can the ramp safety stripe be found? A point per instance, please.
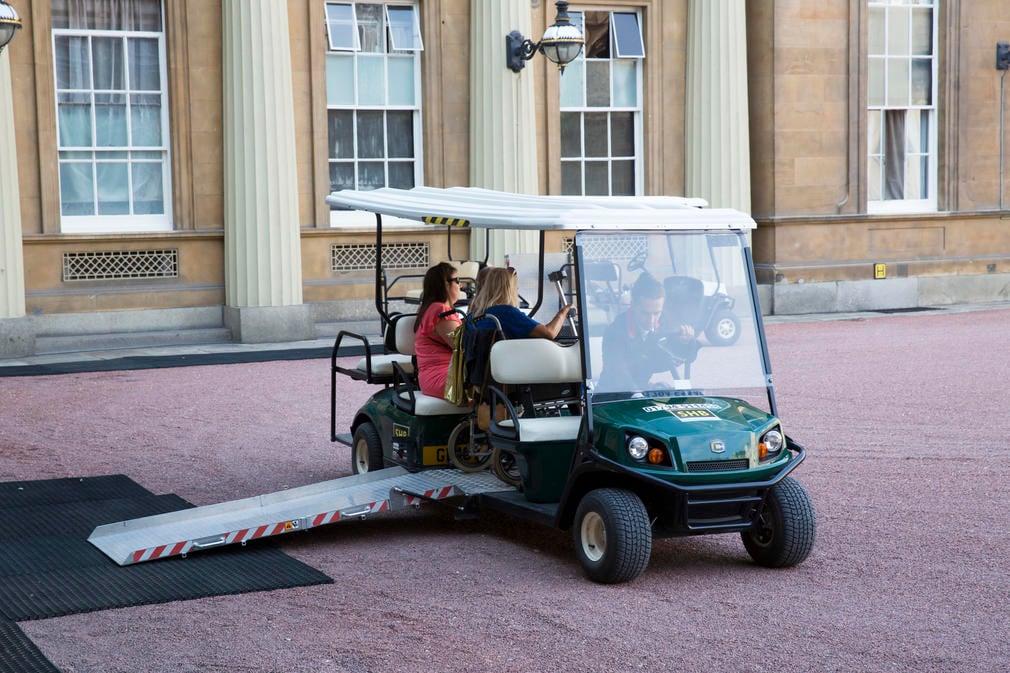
(268, 530)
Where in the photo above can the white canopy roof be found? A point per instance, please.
(474, 207)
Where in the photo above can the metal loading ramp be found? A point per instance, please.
(238, 521)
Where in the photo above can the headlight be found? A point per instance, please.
(771, 443)
(637, 447)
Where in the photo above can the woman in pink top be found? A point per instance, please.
(433, 340)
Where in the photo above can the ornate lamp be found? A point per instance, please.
(562, 42)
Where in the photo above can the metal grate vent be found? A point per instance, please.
(615, 248)
(718, 465)
(120, 264)
(360, 257)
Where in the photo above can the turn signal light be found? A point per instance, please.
(656, 456)
(762, 451)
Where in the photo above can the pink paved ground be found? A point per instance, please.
(907, 424)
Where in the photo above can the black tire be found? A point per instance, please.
(786, 527)
(366, 450)
(468, 450)
(505, 466)
(724, 329)
(613, 536)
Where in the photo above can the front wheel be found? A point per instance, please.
(366, 450)
(613, 536)
(784, 532)
(724, 330)
(468, 447)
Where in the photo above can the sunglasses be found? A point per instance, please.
(454, 280)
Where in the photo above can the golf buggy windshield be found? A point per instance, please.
(670, 312)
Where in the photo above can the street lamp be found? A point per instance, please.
(9, 23)
(561, 43)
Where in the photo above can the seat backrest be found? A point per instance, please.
(535, 361)
(403, 328)
(466, 269)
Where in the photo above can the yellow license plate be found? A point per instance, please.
(434, 455)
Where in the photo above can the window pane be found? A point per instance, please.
(340, 26)
(897, 31)
(341, 176)
(922, 32)
(371, 175)
(110, 120)
(923, 116)
(571, 134)
(873, 132)
(145, 120)
(598, 83)
(401, 80)
(73, 63)
(876, 32)
(401, 174)
(403, 28)
(75, 119)
(875, 81)
(622, 178)
(596, 143)
(571, 178)
(597, 34)
(339, 79)
(113, 189)
(138, 15)
(922, 81)
(340, 125)
(372, 75)
(914, 188)
(573, 85)
(897, 82)
(597, 178)
(400, 134)
(370, 33)
(626, 83)
(627, 36)
(148, 189)
(873, 181)
(107, 56)
(145, 74)
(77, 187)
(370, 136)
(622, 134)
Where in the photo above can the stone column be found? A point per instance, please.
(16, 335)
(503, 130)
(716, 129)
(263, 281)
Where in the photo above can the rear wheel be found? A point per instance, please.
(366, 450)
(468, 447)
(613, 536)
(724, 330)
(505, 466)
(784, 532)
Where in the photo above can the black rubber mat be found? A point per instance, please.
(162, 361)
(48, 568)
(18, 654)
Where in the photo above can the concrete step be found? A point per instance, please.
(45, 345)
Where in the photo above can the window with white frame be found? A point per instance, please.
(601, 107)
(901, 111)
(111, 116)
(373, 95)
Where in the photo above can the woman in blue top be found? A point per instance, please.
(498, 295)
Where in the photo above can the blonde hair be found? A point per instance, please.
(499, 285)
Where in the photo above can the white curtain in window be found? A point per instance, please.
(132, 15)
(894, 154)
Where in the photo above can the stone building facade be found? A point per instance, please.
(164, 163)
